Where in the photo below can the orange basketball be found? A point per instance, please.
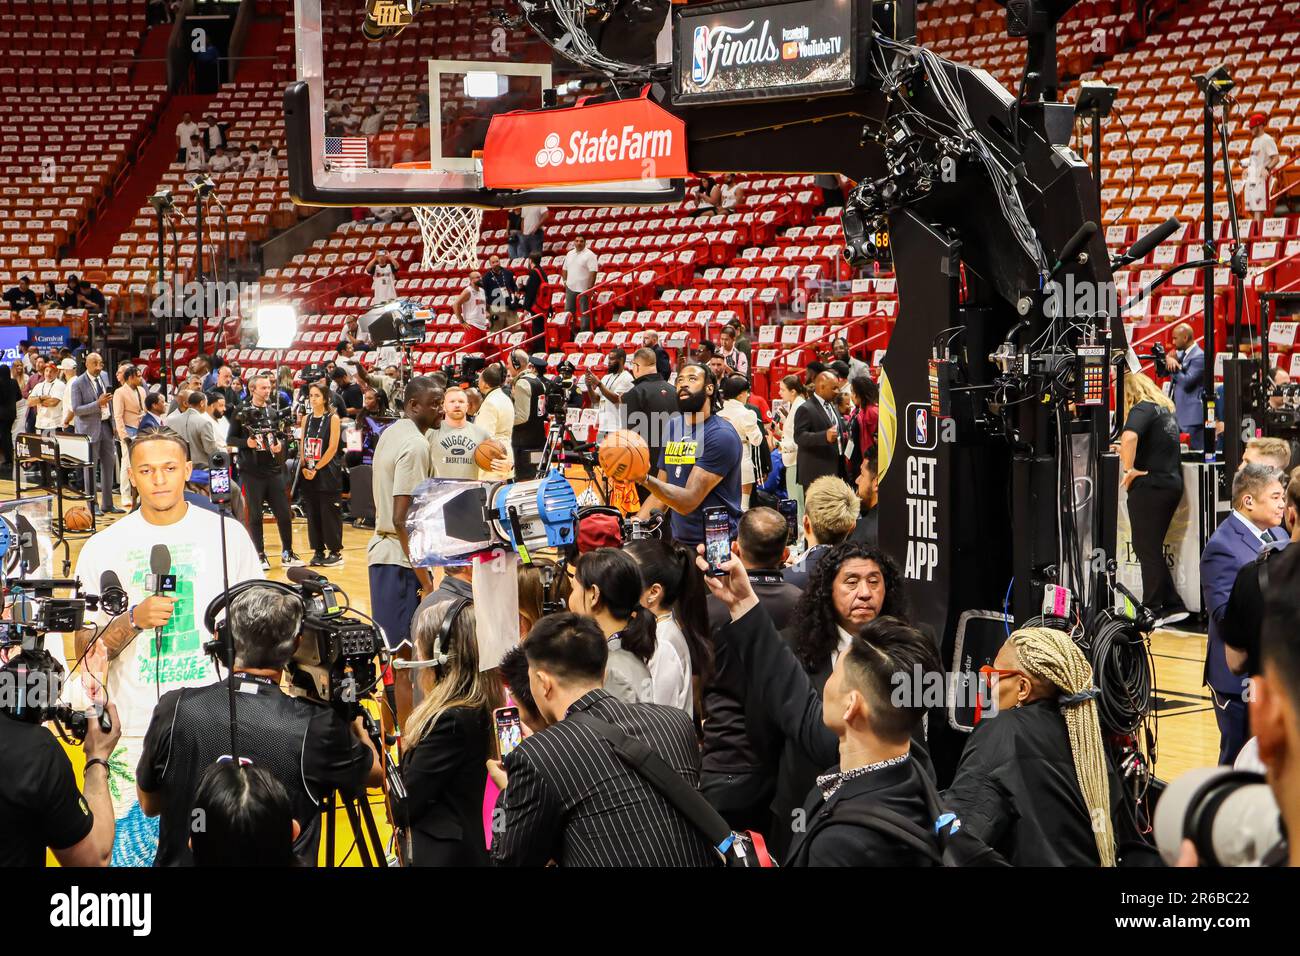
(624, 456)
(77, 519)
(488, 451)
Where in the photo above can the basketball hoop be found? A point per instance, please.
(450, 233)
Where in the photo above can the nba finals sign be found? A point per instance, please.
(748, 50)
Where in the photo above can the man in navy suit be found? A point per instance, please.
(1258, 506)
(1186, 370)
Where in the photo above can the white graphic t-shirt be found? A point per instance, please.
(139, 675)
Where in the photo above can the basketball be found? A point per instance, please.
(488, 451)
(624, 456)
(77, 519)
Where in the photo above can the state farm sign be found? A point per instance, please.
(607, 142)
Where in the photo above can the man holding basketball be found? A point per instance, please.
(701, 460)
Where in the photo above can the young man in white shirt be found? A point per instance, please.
(470, 310)
(581, 271)
(610, 389)
(47, 396)
(186, 130)
(1260, 163)
(221, 163)
(496, 416)
(196, 160)
(157, 644)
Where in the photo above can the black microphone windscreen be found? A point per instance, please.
(1142, 248)
(109, 580)
(1077, 241)
(304, 575)
(160, 560)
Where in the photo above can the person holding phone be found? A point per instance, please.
(321, 479)
(448, 740)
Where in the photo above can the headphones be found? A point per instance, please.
(222, 645)
(438, 654)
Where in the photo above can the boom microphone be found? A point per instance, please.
(1074, 244)
(302, 575)
(1142, 248)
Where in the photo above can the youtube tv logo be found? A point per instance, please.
(790, 50)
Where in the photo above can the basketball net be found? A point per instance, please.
(450, 235)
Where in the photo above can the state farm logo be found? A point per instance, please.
(587, 147)
(550, 154)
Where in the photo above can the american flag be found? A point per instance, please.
(347, 151)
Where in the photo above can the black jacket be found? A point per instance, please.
(824, 842)
(663, 364)
(737, 740)
(647, 405)
(1016, 790)
(445, 774)
(817, 456)
(499, 287)
(779, 687)
(533, 283)
(573, 800)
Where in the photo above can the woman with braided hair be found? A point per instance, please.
(1033, 782)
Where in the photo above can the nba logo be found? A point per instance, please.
(700, 55)
(920, 437)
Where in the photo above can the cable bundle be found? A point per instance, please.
(1121, 666)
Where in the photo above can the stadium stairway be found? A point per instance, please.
(258, 58)
(145, 174)
(151, 67)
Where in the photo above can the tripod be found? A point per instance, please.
(562, 447)
(361, 818)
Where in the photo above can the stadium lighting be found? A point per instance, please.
(482, 84)
(277, 326)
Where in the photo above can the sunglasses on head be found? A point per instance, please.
(988, 676)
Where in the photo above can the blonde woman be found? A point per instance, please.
(1033, 782)
(448, 740)
(1151, 472)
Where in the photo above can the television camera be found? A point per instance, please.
(31, 678)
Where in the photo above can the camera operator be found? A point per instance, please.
(529, 434)
(257, 431)
(40, 804)
(142, 666)
(305, 744)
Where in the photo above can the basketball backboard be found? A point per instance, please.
(402, 120)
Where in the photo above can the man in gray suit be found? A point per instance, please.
(197, 428)
(91, 399)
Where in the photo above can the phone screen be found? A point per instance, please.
(219, 482)
(717, 539)
(790, 508)
(509, 730)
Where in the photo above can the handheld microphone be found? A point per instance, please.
(160, 567)
(1074, 244)
(1143, 247)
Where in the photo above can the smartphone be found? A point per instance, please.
(219, 478)
(509, 730)
(790, 508)
(717, 540)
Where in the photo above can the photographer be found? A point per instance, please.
(304, 744)
(40, 805)
(529, 434)
(257, 431)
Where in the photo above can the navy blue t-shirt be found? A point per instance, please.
(715, 447)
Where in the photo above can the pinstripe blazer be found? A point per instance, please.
(572, 800)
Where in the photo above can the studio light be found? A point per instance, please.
(201, 183)
(277, 326)
(162, 200)
(483, 84)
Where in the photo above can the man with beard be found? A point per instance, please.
(867, 531)
(840, 351)
(701, 462)
(454, 439)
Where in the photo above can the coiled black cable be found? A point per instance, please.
(1121, 669)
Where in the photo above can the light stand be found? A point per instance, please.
(203, 187)
(1095, 103)
(1216, 86)
(163, 205)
